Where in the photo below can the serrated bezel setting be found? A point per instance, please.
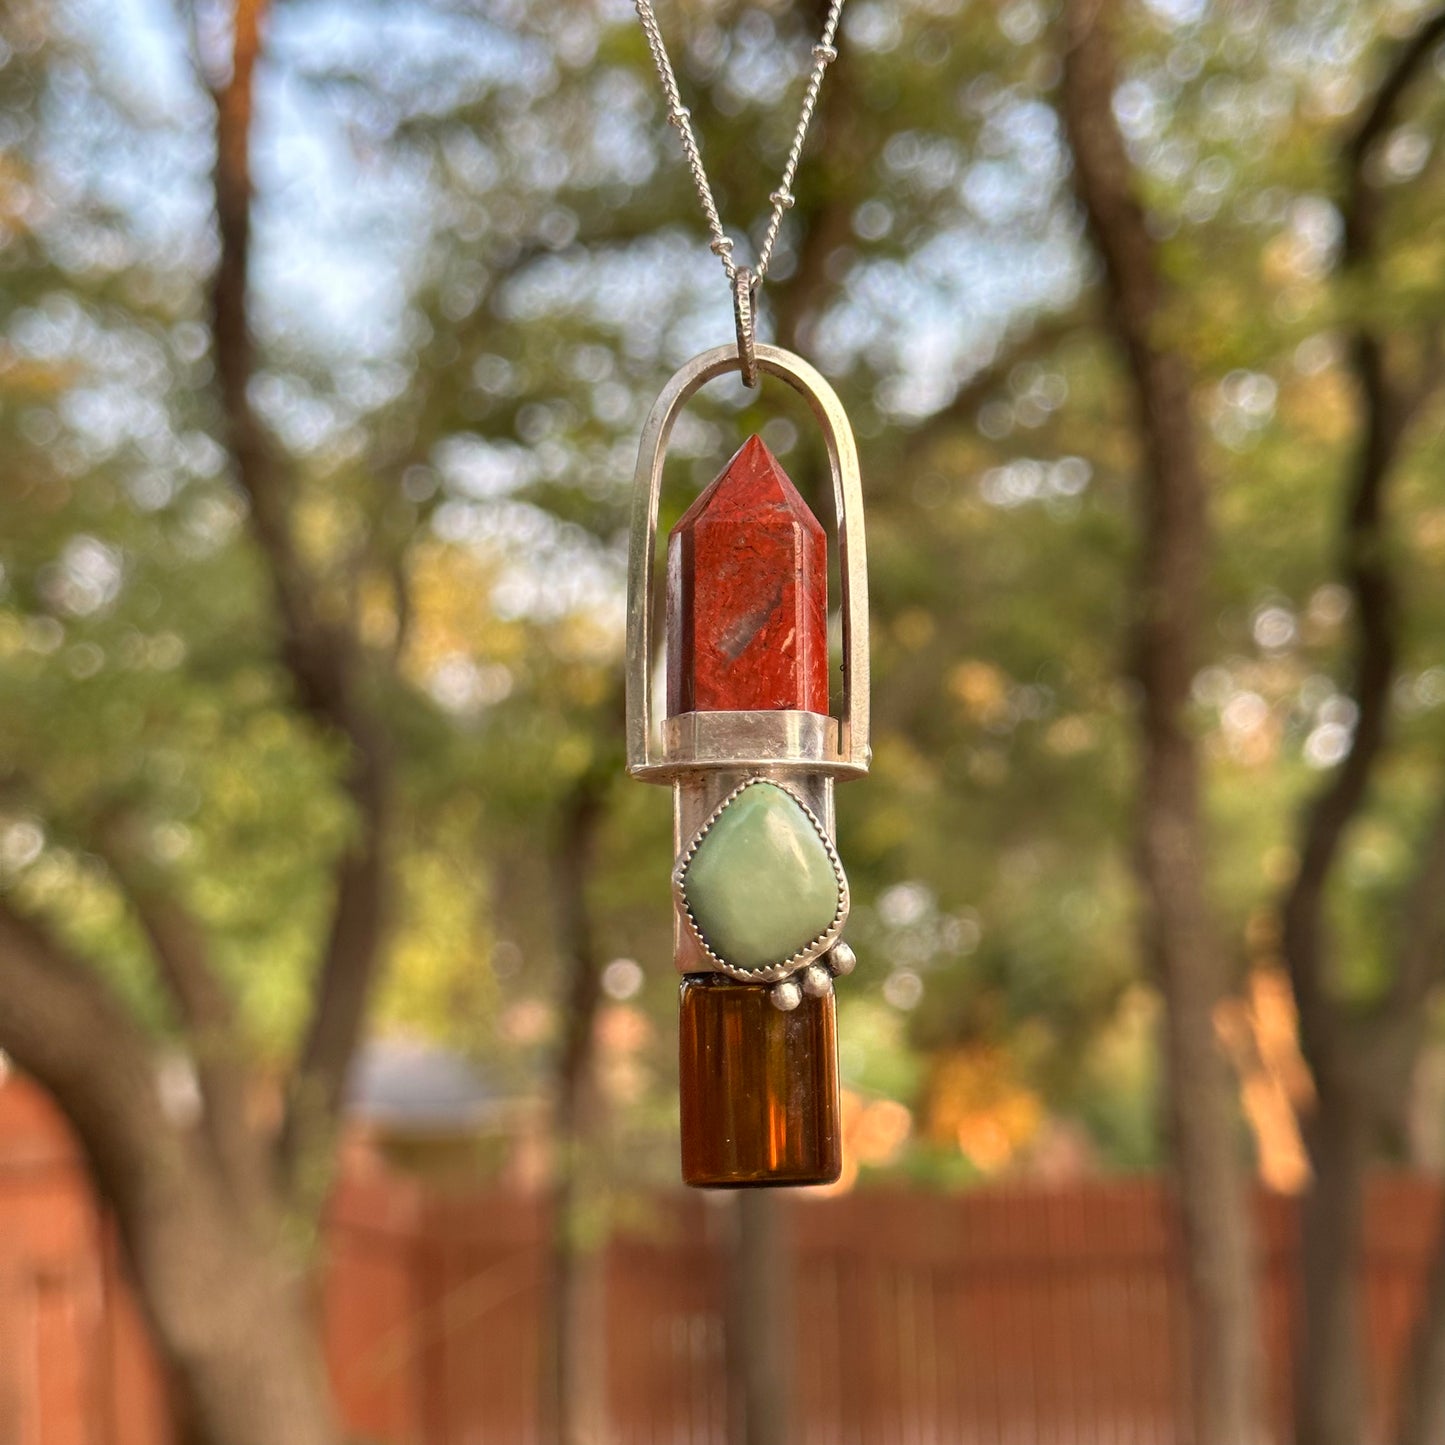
(816, 947)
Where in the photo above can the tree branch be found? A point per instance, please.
(1168, 618)
(204, 1007)
(1387, 1041)
(1422, 930)
(1361, 210)
(572, 860)
(323, 659)
(64, 1027)
(1365, 566)
(358, 923)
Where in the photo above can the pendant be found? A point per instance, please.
(751, 752)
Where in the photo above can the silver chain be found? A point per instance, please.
(824, 53)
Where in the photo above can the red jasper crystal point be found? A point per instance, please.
(747, 595)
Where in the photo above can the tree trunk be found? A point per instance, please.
(1422, 1396)
(255, 1375)
(1213, 1197)
(759, 1337)
(1169, 613)
(228, 1312)
(233, 1322)
(1330, 1393)
(206, 1212)
(574, 1408)
(573, 1387)
(1357, 1066)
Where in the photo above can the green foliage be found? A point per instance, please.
(537, 267)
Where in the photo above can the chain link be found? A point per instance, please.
(824, 53)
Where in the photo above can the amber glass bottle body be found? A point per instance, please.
(759, 1087)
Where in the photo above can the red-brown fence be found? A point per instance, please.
(1004, 1317)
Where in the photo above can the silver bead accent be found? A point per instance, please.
(825, 54)
(785, 996)
(723, 246)
(783, 199)
(817, 981)
(842, 960)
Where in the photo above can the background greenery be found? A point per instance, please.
(477, 258)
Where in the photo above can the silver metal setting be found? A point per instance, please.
(773, 972)
(697, 793)
(848, 754)
(743, 285)
(842, 960)
(779, 741)
(678, 115)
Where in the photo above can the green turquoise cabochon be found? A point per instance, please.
(761, 885)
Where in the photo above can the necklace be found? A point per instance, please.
(747, 742)
(745, 281)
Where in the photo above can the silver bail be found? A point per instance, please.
(743, 287)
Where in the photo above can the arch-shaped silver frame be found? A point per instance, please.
(751, 739)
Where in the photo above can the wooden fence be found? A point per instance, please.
(1003, 1317)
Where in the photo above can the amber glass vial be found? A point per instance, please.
(759, 1087)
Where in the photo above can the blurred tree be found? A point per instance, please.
(1362, 1058)
(1181, 936)
(1361, 1025)
(208, 1196)
(574, 1396)
(247, 582)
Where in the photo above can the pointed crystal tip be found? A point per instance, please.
(747, 594)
